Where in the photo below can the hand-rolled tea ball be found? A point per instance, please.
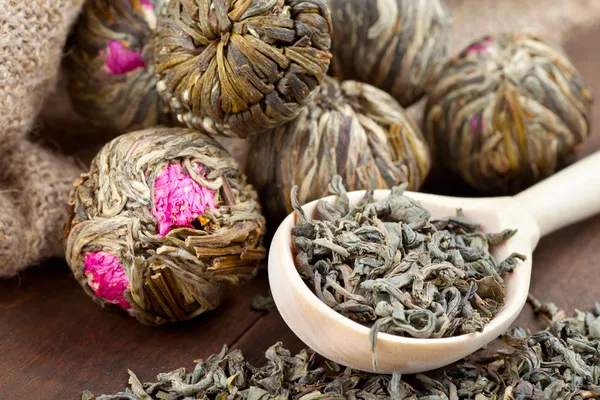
(163, 225)
(399, 46)
(238, 68)
(111, 79)
(350, 129)
(507, 112)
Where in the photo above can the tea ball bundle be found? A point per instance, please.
(507, 112)
(241, 67)
(163, 225)
(399, 46)
(351, 129)
(111, 78)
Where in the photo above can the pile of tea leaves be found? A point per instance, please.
(387, 265)
(560, 362)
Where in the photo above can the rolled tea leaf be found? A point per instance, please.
(237, 68)
(509, 111)
(351, 129)
(399, 46)
(111, 78)
(163, 225)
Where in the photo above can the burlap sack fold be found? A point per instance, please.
(34, 182)
(33, 195)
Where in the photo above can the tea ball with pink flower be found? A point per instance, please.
(507, 112)
(163, 226)
(111, 78)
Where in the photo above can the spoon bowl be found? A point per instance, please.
(569, 196)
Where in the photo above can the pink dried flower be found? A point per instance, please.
(477, 48)
(118, 60)
(147, 4)
(106, 276)
(477, 122)
(178, 199)
(483, 47)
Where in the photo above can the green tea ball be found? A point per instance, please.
(507, 112)
(237, 68)
(111, 78)
(350, 129)
(163, 226)
(396, 45)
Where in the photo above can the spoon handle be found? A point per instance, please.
(569, 196)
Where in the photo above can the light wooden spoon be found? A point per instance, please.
(567, 197)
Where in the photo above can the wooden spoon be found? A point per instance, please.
(567, 197)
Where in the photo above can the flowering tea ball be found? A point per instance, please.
(163, 225)
(399, 46)
(237, 68)
(350, 129)
(111, 79)
(507, 112)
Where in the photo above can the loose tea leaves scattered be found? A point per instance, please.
(164, 225)
(228, 375)
(507, 112)
(263, 303)
(558, 363)
(351, 129)
(111, 79)
(396, 45)
(384, 264)
(241, 67)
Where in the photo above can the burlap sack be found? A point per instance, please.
(34, 182)
(35, 185)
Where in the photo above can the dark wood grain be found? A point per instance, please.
(55, 342)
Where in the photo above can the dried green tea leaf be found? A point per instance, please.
(87, 395)
(263, 303)
(489, 288)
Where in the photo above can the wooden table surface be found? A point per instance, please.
(55, 342)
